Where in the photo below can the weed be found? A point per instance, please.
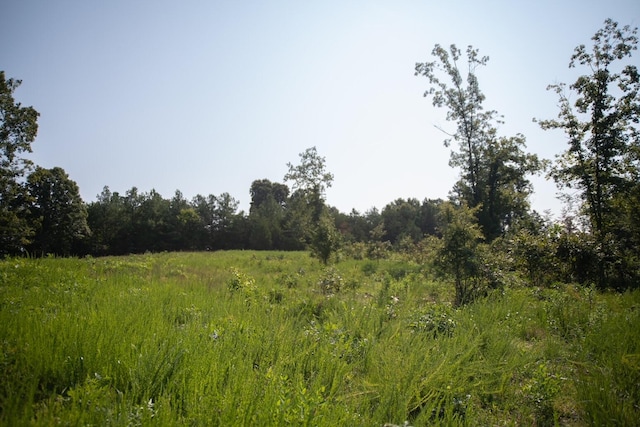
(330, 282)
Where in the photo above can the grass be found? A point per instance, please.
(273, 338)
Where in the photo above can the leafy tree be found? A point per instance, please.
(460, 254)
(353, 226)
(180, 225)
(206, 208)
(310, 181)
(18, 129)
(228, 224)
(268, 202)
(310, 175)
(57, 212)
(533, 253)
(325, 238)
(108, 220)
(493, 168)
(402, 219)
(602, 161)
(378, 248)
(152, 222)
(263, 191)
(297, 223)
(190, 230)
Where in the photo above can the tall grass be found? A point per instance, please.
(269, 338)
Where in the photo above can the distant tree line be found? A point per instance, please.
(484, 232)
(137, 222)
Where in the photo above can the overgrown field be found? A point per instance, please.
(270, 338)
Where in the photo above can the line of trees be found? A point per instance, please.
(486, 217)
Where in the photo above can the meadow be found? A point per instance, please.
(276, 338)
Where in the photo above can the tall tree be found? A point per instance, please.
(310, 181)
(268, 201)
(228, 224)
(18, 129)
(206, 209)
(58, 214)
(602, 161)
(312, 178)
(109, 221)
(263, 190)
(493, 169)
(401, 220)
(429, 216)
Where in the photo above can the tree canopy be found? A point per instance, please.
(18, 129)
(602, 160)
(493, 169)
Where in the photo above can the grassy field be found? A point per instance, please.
(271, 338)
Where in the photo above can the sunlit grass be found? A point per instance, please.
(273, 338)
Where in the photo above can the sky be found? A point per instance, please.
(207, 96)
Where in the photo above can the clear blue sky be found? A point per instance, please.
(208, 96)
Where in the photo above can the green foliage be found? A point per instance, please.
(315, 222)
(170, 339)
(493, 168)
(57, 213)
(436, 319)
(401, 219)
(139, 222)
(267, 213)
(243, 284)
(534, 255)
(601, 162)
(540, 390)
(330, 282)
(325, 239)
(459, 256)
(18, 129)
(310, 175)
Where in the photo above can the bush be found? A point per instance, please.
(437, 320)
(331, 281)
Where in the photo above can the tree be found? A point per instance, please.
(602, 161)
(206, 210)
(263, 191)
(493, 168)
(325, 238)
(227, 222)
(109, 221)
(190, 230)
(266, 215)
(429, 216)
(310, 181)
(460, 254)
(18, 129)
(57, 212)
(401, 220)
(222, 227)
(310, 175)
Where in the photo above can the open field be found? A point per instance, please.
(275, 338)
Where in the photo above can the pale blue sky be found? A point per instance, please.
(208, 96)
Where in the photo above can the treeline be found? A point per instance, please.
(137, 222)
(483, 234)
